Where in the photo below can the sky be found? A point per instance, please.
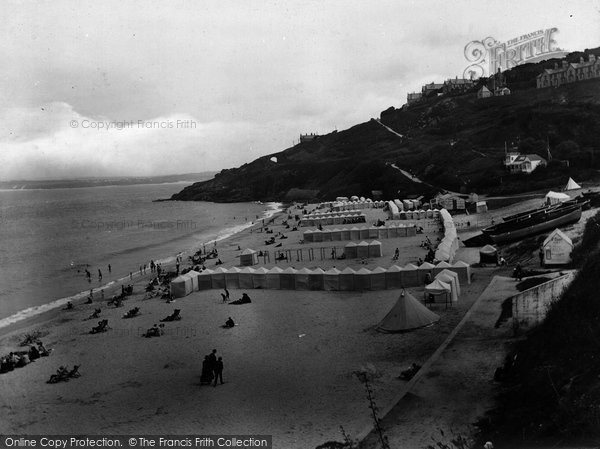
(144, 88)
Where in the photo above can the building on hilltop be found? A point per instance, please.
(308, 137)
(516, 162)
(569, 72)
(431, 89)
(457, 86)
(413, 97)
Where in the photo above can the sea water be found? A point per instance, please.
(48, 238)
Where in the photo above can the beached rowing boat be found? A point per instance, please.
(536, 221)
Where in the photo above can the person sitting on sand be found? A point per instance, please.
(229, 323)
(42, 349)
(33, 353)
(69, 306)
(218, 262)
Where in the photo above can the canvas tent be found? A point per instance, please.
(409, 275)
(259, 277)
(447, 279)
(287, 279)
(218, 277)
(347, 279)
(246, 277)
(248, 257)
(181, 286)
(407, 314)
(463, 270)
(204, 281)
(453, 275)
(316, 279)
(232, 277)
(302, 282)
(439, 291)
(393, 277)
(556, 197)
(274, 278)
(488, 254)
(572, 185)
(378, 279)
(350, 250)
(362, 279)
(374, 249)
(331, 279)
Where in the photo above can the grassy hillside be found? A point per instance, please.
(454, 143)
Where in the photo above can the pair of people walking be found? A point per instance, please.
(212, 368)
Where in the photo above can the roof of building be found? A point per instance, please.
(484, 89)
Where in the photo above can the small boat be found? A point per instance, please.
(534, 222)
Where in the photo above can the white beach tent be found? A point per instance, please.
(259, 277)
(274, 278)
(463, 269)
(378, 281)
(347, 279)
(374, 249)
(362, 250)
(556, 197)
(350, 250)
(410, 276)
(193, 275)
(454, 275)
(423, 270)
(451, 282)
(181, 286)
(407, 314)
(316, 279)
(204, 280)
(440, 291)
(218, 277)
(362, 279)
(393, 277)
(301, 281)
(572, 185)
(288, 279)
(331, 279)
(246, 275)
(248, 257)
(232, 277)
(440, 267)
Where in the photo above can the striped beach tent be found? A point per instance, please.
(301, 280)
(362, 250)
(274, 278)
(232, 277)
(204, 280)
(347, 279)
(316, 279)
(378, 281)
(440, 267)
(375, 249)
(218, 277)
(259, 277)
(424, 269)
(288, 279)
(245, 277)
(362, 279)
(393, 277)
(331, 279)
(350, 250)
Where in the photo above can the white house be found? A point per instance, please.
(523, 163)
(557, 248)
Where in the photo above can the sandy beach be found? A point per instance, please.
(290, 361)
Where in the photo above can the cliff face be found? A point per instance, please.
(455, 143)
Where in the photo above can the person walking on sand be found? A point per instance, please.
(99, 275)
(109, 269)
(212, 360)
(227, 294)
(218, 372)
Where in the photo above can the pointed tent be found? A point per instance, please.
(407, 314)
(440, 267)
(354, 233)
(451, 281)
(350, 250)
(259, 277)
(364, 233)
(193, 275)
(248, 257)
(346, 234)
(556, 197)
(181, 286)
(392, 231)
(245, 277)
(308, 235)
(331, 279)
(572, 185)
(316, 279)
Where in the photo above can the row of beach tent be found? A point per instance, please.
(362, 250)
(331, 214)
(341, 219)
(446, 249)
(350, 205)
(421, 214)
(354, 233)
(317, 279)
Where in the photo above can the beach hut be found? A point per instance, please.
(316, 279)
(411, 231)
(436, 213)
(350, 250)
(393, 277)
(301, 280)
(204, 280)
(331, 279)
(362, 279)
(318, 235)
(454, 275)
(409, 215)
(373, 232)
(347, 279)
(364, 233)
(326, 235)
(437, 292)
(401, 230)
(193, 275)
(259, 277)
(274, 278)
(308, 235)
(410, 276)
(451, 282)
(463, 270)
(374, 249)
(246, 277)
(232, 277)
(408, 205)
(288, 279)
(425, 269)
(407, 314)
(217, 277)
(248, 257)
(382, 232)
(336, 235)
(362, 250)
(440, 267)
(429, 213)
(378, 281)
(181, 286)
(346, 234)
(392, 231)
(422, 214)
(354, 233)
(557, 248)
(488, 255)
(403, 215)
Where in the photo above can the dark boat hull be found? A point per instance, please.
(570, 215)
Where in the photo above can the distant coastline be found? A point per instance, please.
(102, 181)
